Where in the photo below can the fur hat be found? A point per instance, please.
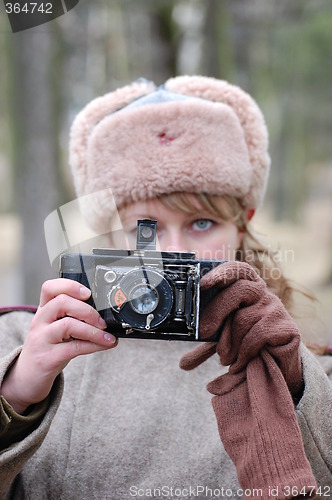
(193, 134)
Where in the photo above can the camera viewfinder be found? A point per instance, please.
(146, 234)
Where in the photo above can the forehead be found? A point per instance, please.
(184, 203)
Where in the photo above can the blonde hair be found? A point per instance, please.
(252, 250)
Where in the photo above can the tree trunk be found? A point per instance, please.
(35, 136)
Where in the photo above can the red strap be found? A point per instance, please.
(8, 309)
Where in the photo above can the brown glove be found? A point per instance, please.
(253, 403)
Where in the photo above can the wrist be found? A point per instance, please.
(9, 390)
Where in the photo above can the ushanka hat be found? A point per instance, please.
(193, 134)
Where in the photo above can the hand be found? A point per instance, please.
(250, 319)
(63, 328)
(252, 403)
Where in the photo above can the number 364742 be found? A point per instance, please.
(28, 8)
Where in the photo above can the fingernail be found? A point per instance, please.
(109, 338)
(102, 322)
(85, 292)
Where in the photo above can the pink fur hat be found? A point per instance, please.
(193, 134)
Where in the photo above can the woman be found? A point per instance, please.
(193, 155)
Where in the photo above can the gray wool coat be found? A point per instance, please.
(128, 423)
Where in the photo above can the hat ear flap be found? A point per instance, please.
(250, 117)
(91, 115)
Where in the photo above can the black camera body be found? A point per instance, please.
(143, 293)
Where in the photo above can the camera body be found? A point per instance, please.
(143, 293)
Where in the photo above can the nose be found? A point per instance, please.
(173, 240)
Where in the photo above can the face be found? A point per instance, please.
(202, 233)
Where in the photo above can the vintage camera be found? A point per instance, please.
(143, 293)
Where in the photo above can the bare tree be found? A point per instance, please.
(35, 141)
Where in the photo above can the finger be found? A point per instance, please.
(68, 329)
(52, 288)
(63, 352)
(64, 305)
(70, 350)
(226, 383)
(194, 358)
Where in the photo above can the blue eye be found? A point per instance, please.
(202, 224)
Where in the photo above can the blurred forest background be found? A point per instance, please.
(277, 50)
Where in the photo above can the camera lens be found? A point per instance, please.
(146, 232)
(144, 299)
